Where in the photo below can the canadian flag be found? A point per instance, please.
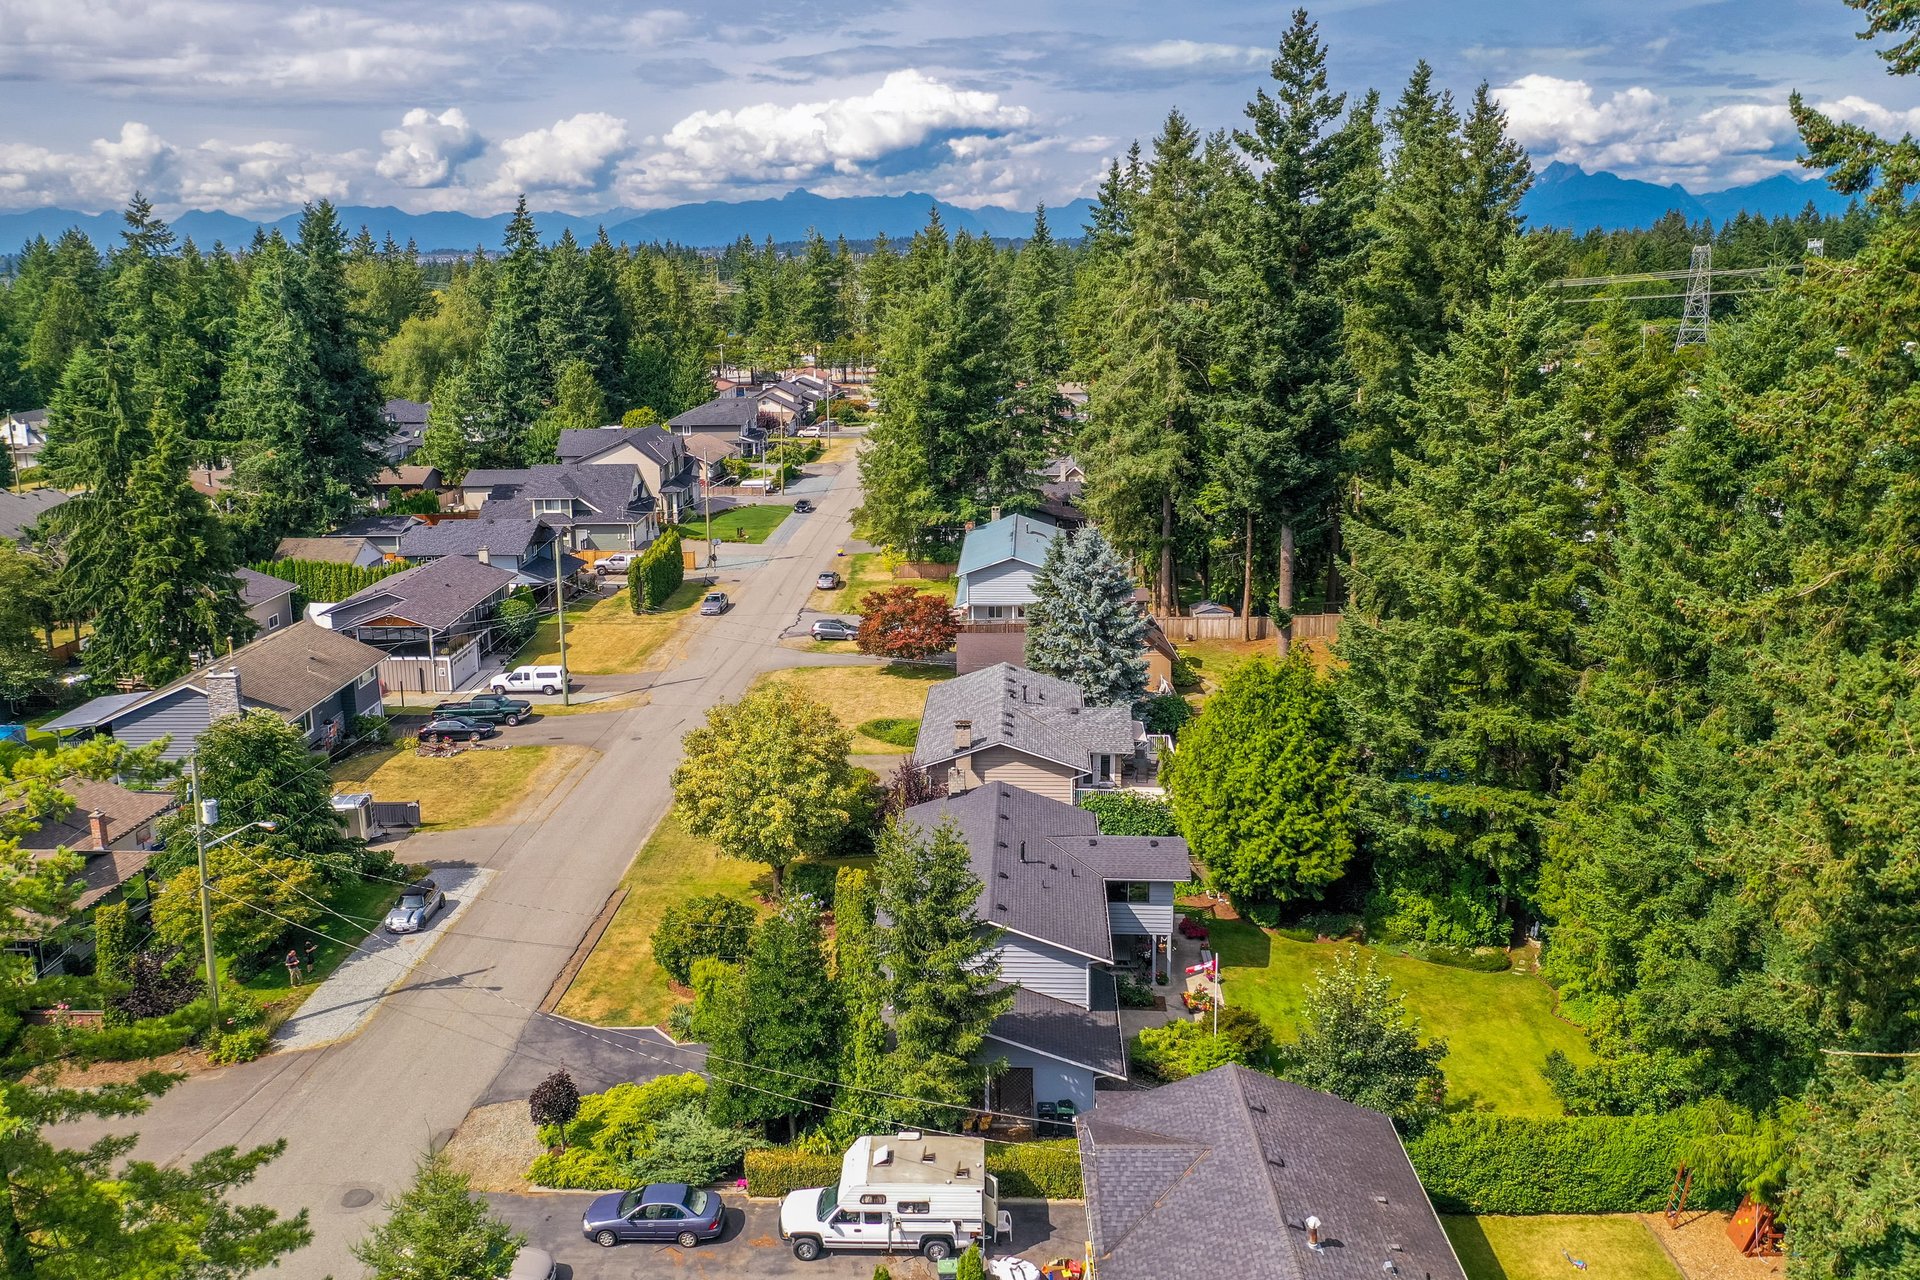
(1211, 968)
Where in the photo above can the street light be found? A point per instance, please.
(205, 814)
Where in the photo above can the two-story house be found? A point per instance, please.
(268, 600)
(733, 419)
(526, 545)
(593, 508)
(998, 561)
(666, 469)
(1006, 724)
(315, 679)
(1067, 902)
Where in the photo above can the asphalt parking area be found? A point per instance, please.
(751, 1245)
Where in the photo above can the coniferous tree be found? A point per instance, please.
(944, 995)
(179, 598)
(1461, 642)
(1036, 342)
(511, 375)
(437, 1230)
(446, 443)
(1259, 785)
(349, 429)
(860, 982)
(1084, 625)
(576, 321)
(65, 324)
(789, 1021)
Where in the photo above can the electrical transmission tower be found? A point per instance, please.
(1693, 315)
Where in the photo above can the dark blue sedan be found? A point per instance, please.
(658, 1211)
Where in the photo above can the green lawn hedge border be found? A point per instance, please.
(1026, 1170)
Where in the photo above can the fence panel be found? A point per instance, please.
(394, 814)
(1306, 626)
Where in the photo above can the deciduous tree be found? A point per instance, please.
(905, 622)
(1360, 1043)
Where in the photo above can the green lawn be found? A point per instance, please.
(867, 571)
(366, 902)
(1499, 1027)
(755, 521)
(901, 731)
(1614, 1247)
(471, 789)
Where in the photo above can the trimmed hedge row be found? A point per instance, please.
(1029, 1170)
(1575, 1164)
(657, 574)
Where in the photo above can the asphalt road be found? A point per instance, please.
(356, 1116)
(751, 1246)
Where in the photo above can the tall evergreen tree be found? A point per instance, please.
(1084, 625)
(1036, 338)
(512, 371)
(349, 429)
(789, 1020)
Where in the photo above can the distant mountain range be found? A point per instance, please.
(1562, 196)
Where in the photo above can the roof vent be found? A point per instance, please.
(1153, 844)
(883, 1154)
(1379, 1199)
(1261, 1107)
(926, 1157)
(1276, 1162)
(1003, 875)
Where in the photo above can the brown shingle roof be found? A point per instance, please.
(292, 670)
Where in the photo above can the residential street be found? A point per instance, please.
(358, 1114)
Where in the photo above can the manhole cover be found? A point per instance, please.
(356, 1197)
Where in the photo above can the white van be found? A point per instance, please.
(913, 1191)
(529, 680)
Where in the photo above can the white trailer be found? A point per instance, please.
(912, 1192)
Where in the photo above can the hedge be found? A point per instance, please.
(575, 1168)
(657, 574)
(323, 581)
(1028, 1170)
(1576, 1164)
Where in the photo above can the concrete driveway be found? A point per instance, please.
(357, 1114)
(751, 1244)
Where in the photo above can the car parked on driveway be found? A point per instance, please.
(835, 629)
(447, 728)
(803, 507)
(418, 903)
(618, 562)
(714, 604)
(828, 581)
(486, 707)
(533, 1264)
(658, 1211)
(547, 680)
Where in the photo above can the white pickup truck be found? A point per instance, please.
(912, 1191)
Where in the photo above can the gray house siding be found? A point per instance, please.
(181, 716)
(1153, 916)
(1043, 968)
(1053, 1080)
(1009, 583)
(271, 615)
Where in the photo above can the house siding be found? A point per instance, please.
(1017, 769)
(180, 716)
(1007, 583)
(1154, 916)
(1045, 969)
(266, 612)
(1053, 1080)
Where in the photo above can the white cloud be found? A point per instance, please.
(658, 26)
(847, 136)
(252, 177)
(1544, 110)
(1182, 55)
(426, 149)
(575, 154)
(1881, 120)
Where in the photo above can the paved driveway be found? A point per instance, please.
(751, 1245)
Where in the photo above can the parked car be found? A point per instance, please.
(533, 1264)
(528, 680)
(835, 629)
(447, 728)
(418, 903)
(487, 708)
(828, 581)
(803, 507)
(809, 432)
(618, 562)
(658, 1211)
(716, 603)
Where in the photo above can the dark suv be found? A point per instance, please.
(488, 707)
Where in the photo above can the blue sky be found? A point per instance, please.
(255, 107)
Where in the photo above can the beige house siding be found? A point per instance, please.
(1016, 769)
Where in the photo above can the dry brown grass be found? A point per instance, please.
(474, 788)
(493, 1146)
(609, 638)
(860, 694)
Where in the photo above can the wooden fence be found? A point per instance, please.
(1306, 626)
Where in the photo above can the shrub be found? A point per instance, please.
(1037, 1170)
(1163, 713)
(688, 1147)
(620, 1122)
(1135, 995)
(555, 1101)
(1128, 813)
(776, 1170)
(657, 574)
(238, 1046)
(901, 731)
(578, 1168)
(112, 942)
(159, 987)
(1480, 960)
(814, 879)
(1580, 1164)
(1182, 1049)
(710, 926)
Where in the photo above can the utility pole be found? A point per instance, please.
(1693, 314)
(560, 618)
(205, 812)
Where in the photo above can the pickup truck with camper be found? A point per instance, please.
(912, 1191)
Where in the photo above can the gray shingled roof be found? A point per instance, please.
(580, 444)
(609, 491)
(503, 535)
(1014, 707)
(20, 510)
(258, 588)
(407, 412)
(435, 595)
(294, 669)
(1043, 866)
(1216, 1175)
(722, 412)
(1088, 1038)
(376, 526)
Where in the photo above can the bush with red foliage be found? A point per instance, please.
(904, 622)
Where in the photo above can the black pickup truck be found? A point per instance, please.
(488, 707)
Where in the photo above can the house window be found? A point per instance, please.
(552, 506)
(1132, 891)
(366, 678)
(273, 622)
(995, 612)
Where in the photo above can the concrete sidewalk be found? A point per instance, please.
(350, 994)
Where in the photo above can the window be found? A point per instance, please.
(873, 1219)
(273, 622)
(366, 678)
(872, 1197)
(1133, 891)
(916, 1207)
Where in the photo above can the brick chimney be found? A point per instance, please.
(98, 821)
(223, 694)
(962, 736)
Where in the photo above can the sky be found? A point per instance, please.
(256, 107)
